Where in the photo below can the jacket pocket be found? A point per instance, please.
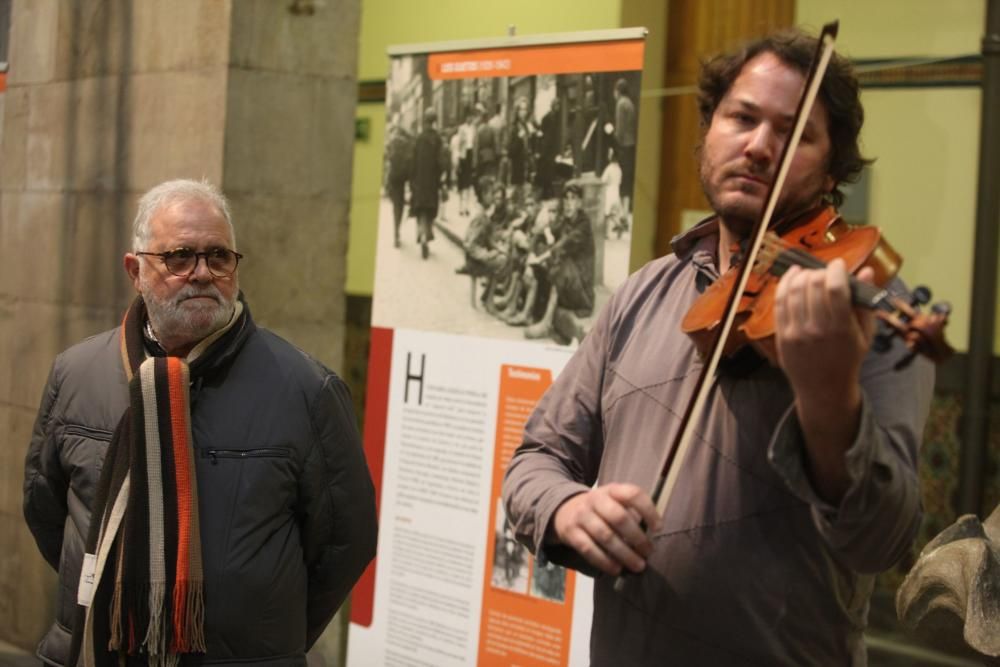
(81, 451)
(213, 455)
(251, 548)
(88, 432)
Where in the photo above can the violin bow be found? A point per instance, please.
(674, 456)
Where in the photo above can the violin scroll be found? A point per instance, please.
(922, 333)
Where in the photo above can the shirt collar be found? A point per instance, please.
(152, 343)
(700, 245)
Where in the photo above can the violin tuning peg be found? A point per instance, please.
(920, 296)
(942, 308)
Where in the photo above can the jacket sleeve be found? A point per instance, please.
(339, 520)
(45, 484)
(561, 452)
(877, 519)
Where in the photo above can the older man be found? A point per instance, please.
(197, 481)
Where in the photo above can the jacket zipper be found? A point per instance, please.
(95, 433)
(261, 452)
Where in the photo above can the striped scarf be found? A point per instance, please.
(144, 540)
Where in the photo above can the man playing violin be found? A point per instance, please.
(801, 481)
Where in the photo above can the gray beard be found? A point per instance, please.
(172, 320)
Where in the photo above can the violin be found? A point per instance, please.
(811, 241)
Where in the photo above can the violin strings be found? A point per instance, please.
(783, 255)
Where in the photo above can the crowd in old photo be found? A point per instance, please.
(525, 184)
(536, 258)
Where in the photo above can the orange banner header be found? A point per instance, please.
(618, 56)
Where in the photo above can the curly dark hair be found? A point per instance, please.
(839, 93)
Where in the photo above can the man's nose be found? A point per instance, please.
(762, 144)
(201, 273)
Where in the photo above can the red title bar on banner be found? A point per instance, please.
(617, 56)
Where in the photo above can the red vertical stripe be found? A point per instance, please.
(376, 414)
(182, 471)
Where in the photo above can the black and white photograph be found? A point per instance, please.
(511, 559)
(548, 582)
(506, 201)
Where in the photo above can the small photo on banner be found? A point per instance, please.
(506, 201)
(510, 558)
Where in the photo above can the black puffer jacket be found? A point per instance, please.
(285, 498)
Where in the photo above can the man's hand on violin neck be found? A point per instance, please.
(822, 340)
(604, 525)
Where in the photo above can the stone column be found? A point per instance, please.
(107, 98)
(286, 164)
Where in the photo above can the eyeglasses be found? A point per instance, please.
(182, 262)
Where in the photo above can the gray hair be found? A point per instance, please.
(171, 192)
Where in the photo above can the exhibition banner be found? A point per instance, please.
(504, 227)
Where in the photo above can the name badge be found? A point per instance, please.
(85, 591)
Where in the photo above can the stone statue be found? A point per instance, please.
(953, 592)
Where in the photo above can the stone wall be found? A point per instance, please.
(289, 144)
(105, 99)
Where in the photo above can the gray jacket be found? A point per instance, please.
(285, 498)
(750, 566)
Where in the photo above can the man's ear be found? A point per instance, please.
(131, 263)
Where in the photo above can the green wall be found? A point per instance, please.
(387, 23)
(891, 28)
(925, 140)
